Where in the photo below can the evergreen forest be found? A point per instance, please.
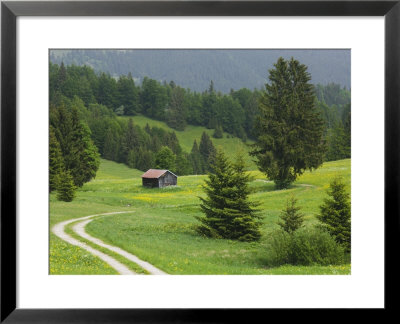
(91, 117)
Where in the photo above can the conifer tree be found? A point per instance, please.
(176, 116)
(111, 145)
(84, 159)
(147, 128)
(173, 143)
(338, 147)
(127, 95)
(291, 218)
(196, 159)
(289, 129)
(246, 222)
(65, 186)
(209, 100)
(218, 132)
(207, 151)
(145, 159)
(130, 140)
(183, 164)
(56, 162)
(228, 212)
(336, 213)
(62, 77)
(131, 159)
(347, 127)
(107, 93)
(79, 153)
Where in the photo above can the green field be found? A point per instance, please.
(159, 227)
(186, 138)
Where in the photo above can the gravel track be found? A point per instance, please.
(79, 228)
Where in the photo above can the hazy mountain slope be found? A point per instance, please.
(195, 68)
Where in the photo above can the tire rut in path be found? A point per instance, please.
(79, 228)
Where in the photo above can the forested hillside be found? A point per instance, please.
(84, 117)
(194, 69)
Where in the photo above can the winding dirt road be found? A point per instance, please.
(79, 229)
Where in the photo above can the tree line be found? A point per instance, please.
(85, 103)
(233, 113)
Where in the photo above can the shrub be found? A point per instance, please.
(307, 246)
(315, 246)
(278, 248)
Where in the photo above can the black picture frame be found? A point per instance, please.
(11, 10)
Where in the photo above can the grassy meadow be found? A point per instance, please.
(160, 225)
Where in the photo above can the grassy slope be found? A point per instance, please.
(191, 133)
(160, 228)
(68, 259)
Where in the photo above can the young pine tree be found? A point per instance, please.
(336, 213)
(218, 133)
(291, 218)
(65, 186)
(228, 213)
(246, 221)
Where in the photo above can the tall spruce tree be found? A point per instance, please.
(111, 145)
(207, 151)
(176, 114)
(84, 159)
(228, 213)
(336, 213)
(338, 147)
(62, 77)
(183, 164)
(209, 99)
(347, 127)
(196, 159)
(80, 155)
(128, 95)
(56, 162)
(289, 129)
(145, 159)
(130, 141)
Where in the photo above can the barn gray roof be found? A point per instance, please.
(155, 173)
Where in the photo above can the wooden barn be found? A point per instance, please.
(159, 178)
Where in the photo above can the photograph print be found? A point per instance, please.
(200, 161)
